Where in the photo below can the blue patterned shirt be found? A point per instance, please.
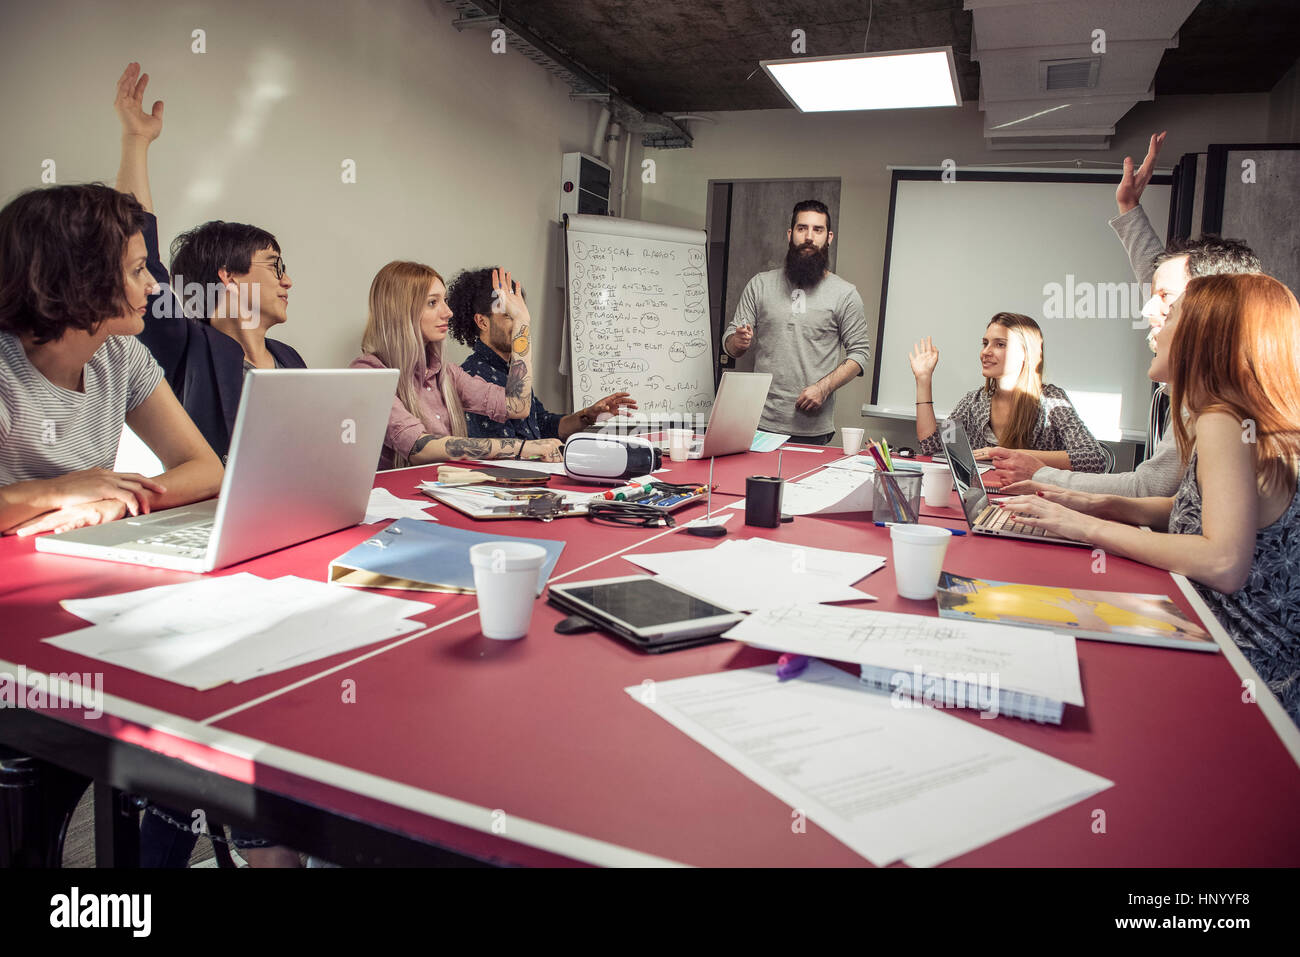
(540, 424)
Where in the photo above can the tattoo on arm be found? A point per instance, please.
(515, 379)
(458, 448)
(521, 342)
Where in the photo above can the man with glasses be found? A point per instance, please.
(230, 289)
(234, 284)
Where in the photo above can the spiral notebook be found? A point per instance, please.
(923, 660)
(942, 691)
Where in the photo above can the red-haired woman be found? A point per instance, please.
(1231, 353)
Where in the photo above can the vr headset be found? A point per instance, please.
(609, 459)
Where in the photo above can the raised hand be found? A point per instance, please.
(923, 357)
(508, 297)
(130, 105)
(1129, 192)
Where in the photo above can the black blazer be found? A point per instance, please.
(204, 366)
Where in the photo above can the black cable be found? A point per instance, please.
(628, 513)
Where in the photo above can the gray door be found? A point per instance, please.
(746, 224)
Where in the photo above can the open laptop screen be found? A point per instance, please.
(965, 473)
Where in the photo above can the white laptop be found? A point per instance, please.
(732, 422)
(302, 463)
(984, 517)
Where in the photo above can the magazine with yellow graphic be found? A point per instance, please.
(1106, 615)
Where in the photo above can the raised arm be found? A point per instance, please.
(139, 129)
(924, 357)
(1141, 241)
(508, 296)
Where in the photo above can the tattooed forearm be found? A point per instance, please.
(516, 379)
(458, 448)
(521, 342)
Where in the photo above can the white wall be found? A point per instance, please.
(457, 149)
(857, 147)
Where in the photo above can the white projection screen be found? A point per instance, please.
(1004, 241)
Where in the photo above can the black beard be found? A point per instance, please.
(805, 270)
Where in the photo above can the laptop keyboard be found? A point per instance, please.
(190, 541)
(994, 517)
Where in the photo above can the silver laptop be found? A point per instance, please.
(732, 422)
(984, 517)
(302, 463)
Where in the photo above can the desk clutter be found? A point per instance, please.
(211, 631)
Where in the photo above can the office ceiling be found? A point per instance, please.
(682, 56)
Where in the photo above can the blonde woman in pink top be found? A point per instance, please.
(406, 329)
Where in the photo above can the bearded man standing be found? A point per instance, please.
(800, 317)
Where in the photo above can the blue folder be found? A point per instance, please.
(421, 556)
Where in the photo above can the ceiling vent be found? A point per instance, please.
(1078, 74)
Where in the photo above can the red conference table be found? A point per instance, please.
(458, 749)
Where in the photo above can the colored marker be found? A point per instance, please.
(952, 531)
(790, 666)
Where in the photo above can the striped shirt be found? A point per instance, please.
(47, 431)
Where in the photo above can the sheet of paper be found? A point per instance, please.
(205, 633)
(384, 505)
(1019, 659)
(767, 441)
(743, 574)
(889, 782)
(828, 492)
(853, 463)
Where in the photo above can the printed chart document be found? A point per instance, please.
(232, 628)
(1043, 664)
(742, 574)
(892, 783)
(767, 441)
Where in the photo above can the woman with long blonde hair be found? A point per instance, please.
(1014, 409)
(1230, 350)
(406, 330)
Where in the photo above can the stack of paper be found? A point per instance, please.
(233, 628)
(997, 669)
(384, 505)
(742, 574)
(892, 783)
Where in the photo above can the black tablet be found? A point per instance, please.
(651, 614)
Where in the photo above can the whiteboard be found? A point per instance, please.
(958, 252)
(638, 315)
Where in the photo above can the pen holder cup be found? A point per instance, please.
(763, 501)
(896, 497)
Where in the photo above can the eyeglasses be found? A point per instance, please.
(276, 265)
